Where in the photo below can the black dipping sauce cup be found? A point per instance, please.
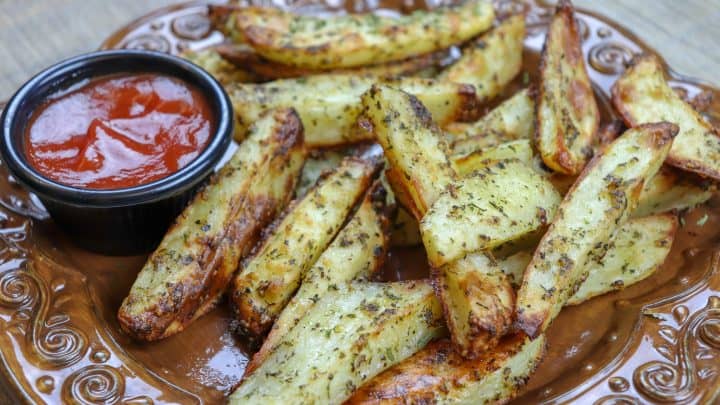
(118, 221)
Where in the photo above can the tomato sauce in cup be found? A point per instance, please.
(119, 131)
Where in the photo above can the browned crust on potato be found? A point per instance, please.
(197, 294)
(487, 330)
(434, 370)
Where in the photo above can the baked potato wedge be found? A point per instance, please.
(350, 335)
(199, 255)
(599, 202)
(502, 201)
(478, 302)
(329, 105)
(520, 150)
(642, 95)
(512, 120)
(490, 62)
(633, 253)
(212, 60)
(419, 166)
(352, 40)
(357, 253)
(672, 190)
(438, 375)
(268, 280)
(567, 115)
(246, 58)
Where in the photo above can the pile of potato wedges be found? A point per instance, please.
(354, 138)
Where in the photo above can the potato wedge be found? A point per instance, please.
(643, 95)
(438, 375)
(198, 256)
(419, 166)
(635, 252)
(604, 195)
(419, 173)
(478, 302)
(510, 121)
(246, 58)
(350, 335)
(671, 190)
(211, 59)
(502, 201)
(329, 105)
(357, 253)
(352, 40)
(268, 280)
(520, 150)
(490, 62)
(567, 115)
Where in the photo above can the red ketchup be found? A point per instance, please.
(119, 131)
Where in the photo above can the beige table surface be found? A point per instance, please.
(36, 33)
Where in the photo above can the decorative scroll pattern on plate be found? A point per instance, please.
(698, 338)
(99, 372)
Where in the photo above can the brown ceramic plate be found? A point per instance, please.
(658, 341)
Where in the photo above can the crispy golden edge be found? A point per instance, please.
(648, 67)
(491, 61)
(567, 116)
(357, 254)
(158, 313)
(538, 304)
(352, 40)
(438, 374)
(268, 279)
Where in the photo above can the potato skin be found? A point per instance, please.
(198, 256)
